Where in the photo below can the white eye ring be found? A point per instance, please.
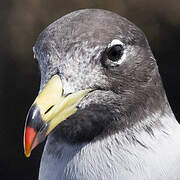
(118, 42)
(115, 42)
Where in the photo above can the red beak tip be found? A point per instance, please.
(29, 137)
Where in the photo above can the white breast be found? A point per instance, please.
(117, 157)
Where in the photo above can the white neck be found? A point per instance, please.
(134, 154)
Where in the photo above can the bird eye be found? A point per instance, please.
(115, 52)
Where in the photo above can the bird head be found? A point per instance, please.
(98, 77)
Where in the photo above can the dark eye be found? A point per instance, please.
(115, 52)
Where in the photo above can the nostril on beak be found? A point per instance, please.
(67, 94)
(62, 91)
(49, 109)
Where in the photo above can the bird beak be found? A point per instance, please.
(49, 109)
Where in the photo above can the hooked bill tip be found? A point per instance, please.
(29, 137)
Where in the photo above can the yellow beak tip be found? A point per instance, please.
(27, 154)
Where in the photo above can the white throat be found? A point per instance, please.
(143, 156)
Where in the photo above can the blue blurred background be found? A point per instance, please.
(21, 22)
